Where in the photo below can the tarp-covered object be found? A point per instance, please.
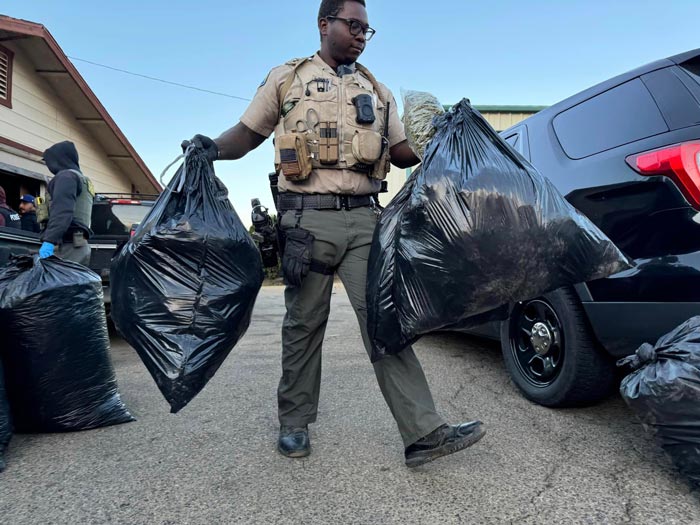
(5, 420)
(55, 349)
(474, 228)
(664, 392)
(183, 288)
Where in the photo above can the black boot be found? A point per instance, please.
(294, 441)
(442, 441)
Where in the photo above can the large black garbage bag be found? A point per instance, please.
(474, 228)
(664, 392)
(184, 287)
(55, 349)
(5, 420)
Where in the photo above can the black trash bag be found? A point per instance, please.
(5, 420)
(476, 227)
(184, 286)
(58, 372)
(664, 393)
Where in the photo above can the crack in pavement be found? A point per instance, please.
(560, 464)
(475, 378)
(555, 467)
(453, 398)
(627, 500)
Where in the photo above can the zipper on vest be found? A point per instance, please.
(341, 124)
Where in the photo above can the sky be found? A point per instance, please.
(493, 52)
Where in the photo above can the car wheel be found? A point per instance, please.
(551, 354)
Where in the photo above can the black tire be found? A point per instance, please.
(572, 370)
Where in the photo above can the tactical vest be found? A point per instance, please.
(12, 218)
(319, 128)
(82, 212)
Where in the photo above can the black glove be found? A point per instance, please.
(204, 143)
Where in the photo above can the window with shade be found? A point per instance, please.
(5, 77)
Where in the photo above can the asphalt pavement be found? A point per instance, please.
(216, 461)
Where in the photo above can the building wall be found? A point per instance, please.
(39, 118)
(500, 120)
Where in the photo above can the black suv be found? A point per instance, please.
(626, 153)
(115, 217)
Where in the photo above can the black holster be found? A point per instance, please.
(296, 257)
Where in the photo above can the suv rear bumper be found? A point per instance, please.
(622, 327)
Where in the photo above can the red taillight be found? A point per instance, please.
(680, 162)
(123, 201)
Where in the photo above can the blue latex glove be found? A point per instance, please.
(46, 250)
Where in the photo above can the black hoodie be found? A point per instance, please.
(64, 189)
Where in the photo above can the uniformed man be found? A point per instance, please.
(336, 128)
(9, 218)
(69, 201)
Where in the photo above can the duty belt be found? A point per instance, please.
(327, 201)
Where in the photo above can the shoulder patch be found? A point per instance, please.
(264, 81)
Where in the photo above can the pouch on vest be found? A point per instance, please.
(42, 209)
(79, 239)
(296, 259)
(367, 146)
(381, 168)
(295, 159)
(328, 143)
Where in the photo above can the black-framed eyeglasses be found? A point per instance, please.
(356, 27)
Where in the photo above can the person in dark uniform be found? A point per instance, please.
(336, 128)
(70, 197)
(9, 218)
(27, 212)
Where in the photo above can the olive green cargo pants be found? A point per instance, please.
(343, 240)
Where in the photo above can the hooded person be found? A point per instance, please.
(9, 218)
(70, 196)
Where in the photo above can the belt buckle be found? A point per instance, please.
(342, 202)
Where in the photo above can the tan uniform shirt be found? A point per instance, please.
(262, 116)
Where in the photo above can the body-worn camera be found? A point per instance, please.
(265, 235)
(364, 108)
